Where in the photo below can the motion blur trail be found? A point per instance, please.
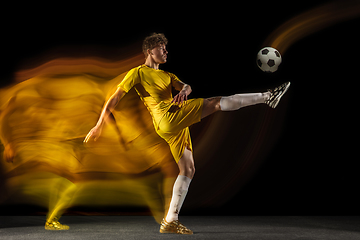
(44, 120)
(312, 21)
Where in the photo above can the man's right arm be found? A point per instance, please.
(107, 109)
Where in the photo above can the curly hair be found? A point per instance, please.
(152, 41)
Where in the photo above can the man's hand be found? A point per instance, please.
(182, 95)
(94, 133)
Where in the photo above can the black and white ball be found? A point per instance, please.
(268, 59)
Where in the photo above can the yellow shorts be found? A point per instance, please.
(174, 126)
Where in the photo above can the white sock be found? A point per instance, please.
(180, 190)
(238, 101)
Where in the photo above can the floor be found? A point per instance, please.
(204, 227)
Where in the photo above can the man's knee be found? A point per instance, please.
(211, 105)
(191, 171)
(187, 170)
(186, 164)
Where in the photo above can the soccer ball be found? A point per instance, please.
(268, 59)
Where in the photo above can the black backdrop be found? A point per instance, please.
(311, 167)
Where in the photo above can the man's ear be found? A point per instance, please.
(149, 52)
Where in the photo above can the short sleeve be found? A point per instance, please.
(173, 78)
(130, 80)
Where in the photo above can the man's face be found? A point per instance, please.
(159, 54)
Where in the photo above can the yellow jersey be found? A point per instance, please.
(171, 121)
(154, 87)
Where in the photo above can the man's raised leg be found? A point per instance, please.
(232, 103)
(237, 101)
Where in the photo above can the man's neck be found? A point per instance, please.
(150, 63)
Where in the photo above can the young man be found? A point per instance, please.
(173, 115)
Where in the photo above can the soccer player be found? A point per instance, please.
(173, 115)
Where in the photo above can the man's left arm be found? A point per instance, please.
(184, 91)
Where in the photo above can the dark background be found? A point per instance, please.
(311, 168)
